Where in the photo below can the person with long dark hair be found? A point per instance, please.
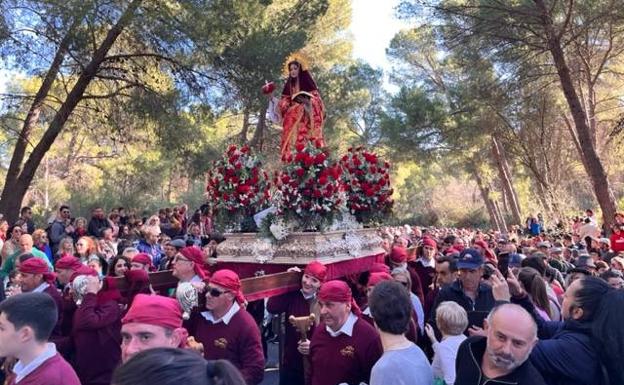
(170, 366)
(587, 347)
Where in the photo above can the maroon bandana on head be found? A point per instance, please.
(37, 266)
(379, 268)
(154, 310)
(338, 291)
(83, 270)
(375, 278)
(398, 254)
(229, 280)
(194, 254)
(429, 242)
(144, 260)
(316, 270)
(68, 262)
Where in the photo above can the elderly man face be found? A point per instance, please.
(26, 243)
(511, 335)
(334, 314)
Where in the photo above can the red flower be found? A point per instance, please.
(370, 158)
(299, 147)
(320, 158)
(336, 172)
(308, 161)
(268, 88)
(322, 180)
(299, 172)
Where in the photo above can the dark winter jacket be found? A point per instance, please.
(468, 367)
(454, 292)
(565, 352)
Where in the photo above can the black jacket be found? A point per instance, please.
(565, 353)
(483, 303)
(468, 367)
(96, 226)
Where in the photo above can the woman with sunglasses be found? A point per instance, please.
(12, 243)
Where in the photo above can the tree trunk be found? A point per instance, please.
(17, 184)
(257, 140)
(10, 207)
(506, 181)
(501, 218)
(589, 156)
(243, 134)
(485, 195)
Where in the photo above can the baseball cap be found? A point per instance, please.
(515, 260)
(470, 259)
(178, 243)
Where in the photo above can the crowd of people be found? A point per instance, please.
(439, 306)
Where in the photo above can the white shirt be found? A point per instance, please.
(227, 317)
(347, 327)
(445, 354)
(308, 296)
(22, 370)
(41, 288)
(192, 280)
(427, 263)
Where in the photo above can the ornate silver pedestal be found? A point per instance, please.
(301, 248)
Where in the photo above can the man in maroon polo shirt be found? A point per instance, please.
(297, 303)
(26, 322)
(227, 330)
(344, 347)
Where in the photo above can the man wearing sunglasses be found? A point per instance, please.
(60, 228)
(227, 330)
(188, 265)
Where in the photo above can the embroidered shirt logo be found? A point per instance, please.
(221, 343)
(347, 351)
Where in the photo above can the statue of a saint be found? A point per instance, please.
(300, 110)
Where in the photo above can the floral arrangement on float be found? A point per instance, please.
(366, 178)
(238, 187)
(309, 187)
(308, 193)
